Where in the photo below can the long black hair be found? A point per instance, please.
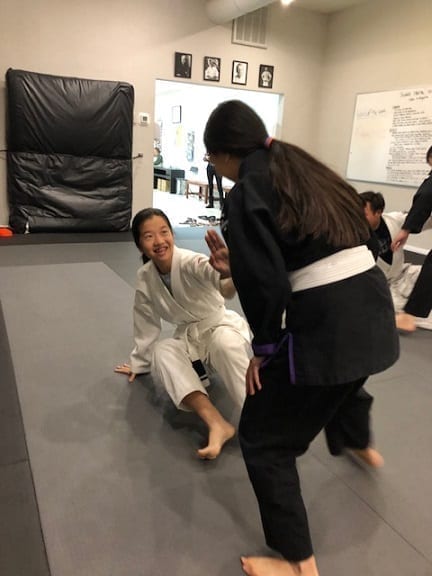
(315, 201)
(141, 217)
(375, 199)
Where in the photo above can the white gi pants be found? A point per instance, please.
(222, 349)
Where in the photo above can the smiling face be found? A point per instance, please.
(156, 241)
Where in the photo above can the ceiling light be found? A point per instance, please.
(286, 2)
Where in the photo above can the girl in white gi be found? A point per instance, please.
(181, 287)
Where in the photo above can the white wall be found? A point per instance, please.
(135, 41)
(321, 63)
(382, 45)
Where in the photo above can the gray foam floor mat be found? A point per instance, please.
(119, 488)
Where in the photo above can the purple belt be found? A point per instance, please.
(270, 350)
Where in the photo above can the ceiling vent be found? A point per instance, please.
(250, 29)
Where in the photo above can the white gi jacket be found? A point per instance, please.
(195, 306)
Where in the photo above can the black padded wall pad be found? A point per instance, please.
(69, 153)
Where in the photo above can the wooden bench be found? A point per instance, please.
(202, 189)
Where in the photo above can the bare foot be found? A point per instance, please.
(405, 322)
(370, 456)
(219, 434)
(266, 566)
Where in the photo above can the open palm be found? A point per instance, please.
(219, 255)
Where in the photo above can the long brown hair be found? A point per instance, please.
(315, 201)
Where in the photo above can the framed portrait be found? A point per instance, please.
(265, 77)
(239, 72)
(211, 69)
(176, 114)
(182, 65)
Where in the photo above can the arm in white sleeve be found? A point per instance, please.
(147, 328)
(227, 288)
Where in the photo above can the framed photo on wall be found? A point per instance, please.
(182, 65)
(239, 72)
(211, 70)
(265, 78)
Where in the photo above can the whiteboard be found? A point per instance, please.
(391, 134)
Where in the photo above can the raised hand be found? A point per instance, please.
(219, 255)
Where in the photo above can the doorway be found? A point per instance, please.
(181, 113)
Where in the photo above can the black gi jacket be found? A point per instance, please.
(339, 332)
(421, 207)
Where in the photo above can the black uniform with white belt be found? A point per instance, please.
(324, 319)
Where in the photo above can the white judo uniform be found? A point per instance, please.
(401, 275)
(205, 330)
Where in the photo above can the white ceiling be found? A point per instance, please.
(327, 6)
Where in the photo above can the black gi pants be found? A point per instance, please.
(420, 300)
(277, 425)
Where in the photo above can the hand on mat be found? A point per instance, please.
(219, 255)
(253, 382)
(125, 369)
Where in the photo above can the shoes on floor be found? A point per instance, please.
(189, 221)
(210, 219)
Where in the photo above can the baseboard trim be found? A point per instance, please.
(416, 250)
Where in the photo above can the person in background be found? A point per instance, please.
(319, 309)
(419, 303)
(182, 288)
(157, 157)
(211, 175)
(401, 276)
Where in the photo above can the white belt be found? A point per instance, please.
(339, 266)
(193, 332)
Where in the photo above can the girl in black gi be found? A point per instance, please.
(319, 309)
(420, 300)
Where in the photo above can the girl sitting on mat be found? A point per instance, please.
(182, 288)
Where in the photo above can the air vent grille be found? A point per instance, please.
(250, 29)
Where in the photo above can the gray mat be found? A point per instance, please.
(119, 488)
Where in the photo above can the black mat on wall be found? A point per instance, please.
(69, 153)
